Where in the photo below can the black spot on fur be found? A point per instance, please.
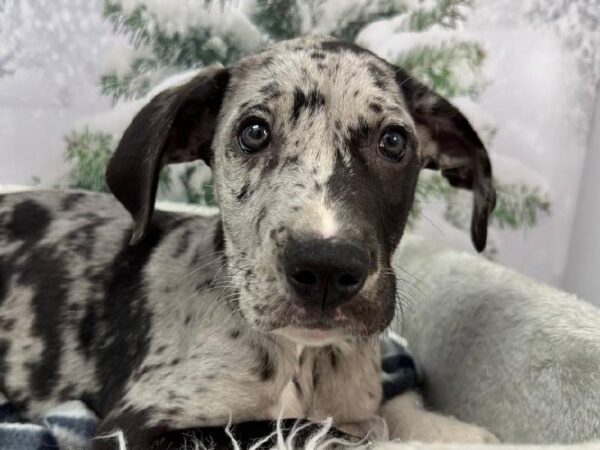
(235, 333)
(4, 280)
(160, 349)
(265, 366)
(188, 319)
(29, 221)
(266, 62)
(148, 368)
(312, 101)
(68, 392)
(375, 107)
(219, 238)
(260, 309)
(48, 278)
(261, 216)
(203, 285)
(7, 324)
(357, 137)
(125, 340)
(298, 387)
(316, 100)
(87, 330)
(378, 75)
(260, 107)
(175, 411)
(333, 358)
(343, 46)
(269, 166)
(71, 200)
(317, 55)
(291, 161)
(183, 244)
(82, 239)
(4, 346)
(244, 194)
(271, 91)
(245, 105)
(299, 102)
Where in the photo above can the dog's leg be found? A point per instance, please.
(408, 420)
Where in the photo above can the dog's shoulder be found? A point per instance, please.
(37, 216)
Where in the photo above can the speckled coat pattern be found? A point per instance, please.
(176, 321)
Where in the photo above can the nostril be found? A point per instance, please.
(305, 277)
(347, 280)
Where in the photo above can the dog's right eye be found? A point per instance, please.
(254, 135)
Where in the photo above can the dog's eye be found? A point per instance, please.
(392, 144)
(254, 136)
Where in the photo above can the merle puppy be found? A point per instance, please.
(270, 309)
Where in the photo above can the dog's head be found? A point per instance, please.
(315, 146)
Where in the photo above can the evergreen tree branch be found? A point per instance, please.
(452, 67)
(445, 13)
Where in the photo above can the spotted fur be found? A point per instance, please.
(183, 321)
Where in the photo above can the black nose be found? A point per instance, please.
(325, 271)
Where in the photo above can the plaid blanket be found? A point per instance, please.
(71, 425)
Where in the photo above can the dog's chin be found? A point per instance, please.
(312, 337)
(317, 327)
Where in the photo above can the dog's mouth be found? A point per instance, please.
(360, 318)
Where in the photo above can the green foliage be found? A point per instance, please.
(353, 19)
(517, 205)
(278, 19)
(453, 68)
(447, 14)
(88, 154)
(196, 193)
(451, 65)
(164, 50)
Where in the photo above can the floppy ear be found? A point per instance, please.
(448, 143)
(176, 126)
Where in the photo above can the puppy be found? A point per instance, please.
(270, 309)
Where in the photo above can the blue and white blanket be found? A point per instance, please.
(71, 425)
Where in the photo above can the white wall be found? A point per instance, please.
(582, 274)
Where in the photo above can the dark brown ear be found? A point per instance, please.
(176, 126)
(449, 143)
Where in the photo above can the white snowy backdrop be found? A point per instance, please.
(542, 71)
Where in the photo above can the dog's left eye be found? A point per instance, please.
(392, 143)
(254, 136)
